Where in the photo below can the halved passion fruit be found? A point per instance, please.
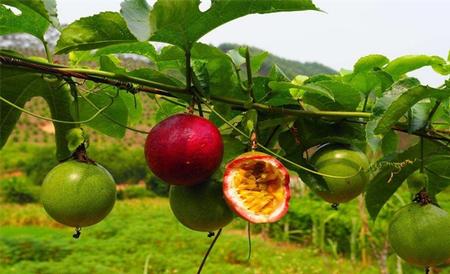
(256, 186)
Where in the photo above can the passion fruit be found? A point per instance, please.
(420, 234)
(184, 149)
(256, 186)
(78, 194)
(200, 207)
(343, 161)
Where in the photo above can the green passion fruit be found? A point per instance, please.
(78, 194)
(344, 161)
(420, 234)
(200, 207)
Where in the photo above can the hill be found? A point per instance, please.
(290, 67)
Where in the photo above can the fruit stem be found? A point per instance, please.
(80, 155)
(47, 51)
(422, 164)
(249, 75)
(422, 198)
(208, 251)
(249, 237)
(77, 233)
(335, 206)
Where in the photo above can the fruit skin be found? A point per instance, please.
(255, 155)
(184, 149)
(420, 235)
(200, 207)
(341, 160)
(78, 194)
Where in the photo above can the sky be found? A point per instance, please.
(348, 30)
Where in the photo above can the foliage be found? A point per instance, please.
(133, 192)
(18, 190)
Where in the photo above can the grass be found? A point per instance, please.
(140, 230)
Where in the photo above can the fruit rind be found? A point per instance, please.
(231, 195)
(421, 234)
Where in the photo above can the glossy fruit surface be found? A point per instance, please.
(421, 234)
(184, 149)
(344, 161)
(256, 186)
(200, 207)
(78, 194)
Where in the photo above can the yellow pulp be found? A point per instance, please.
(260, 186)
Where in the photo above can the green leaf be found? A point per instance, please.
(369, 62)
(294, 153)
(201, 76)
(331, 95)
(390, 178)
(181, 23)
(116, 110)
(156, 76)
(167, 109)
(222, 75)
(136, 14)
(134, 106)
(256, 61)
(111, 63)
(314, 132)
(389, 143)
(371, 81)
(237, 58)
(232, 148)
(277, 74)
(19, 86)
(101, 30)
(418, 116)
(140, 48)
(405, 102)
(250, 121)
(438, 173)
(405, 64)
(30, 19)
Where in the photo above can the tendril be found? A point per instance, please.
(111, 119)
(99, 111)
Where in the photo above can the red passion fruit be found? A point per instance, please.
(256, 186)
(184, 149)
